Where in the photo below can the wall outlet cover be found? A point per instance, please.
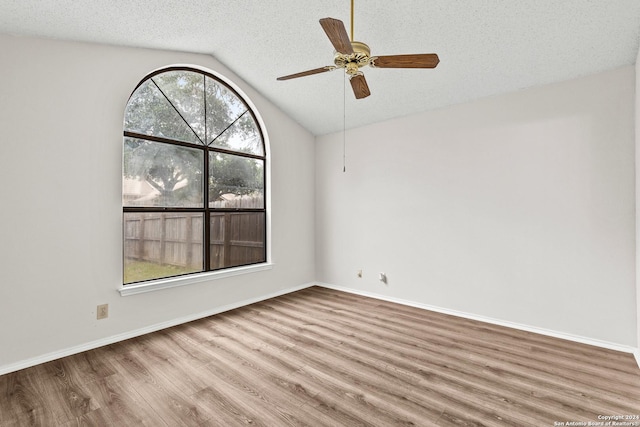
(102, 312)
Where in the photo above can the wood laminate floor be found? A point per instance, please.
(320, 357)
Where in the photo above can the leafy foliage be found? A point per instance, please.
(186, 106)
(174, 172)
(237, 175)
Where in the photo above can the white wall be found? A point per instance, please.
(638, 201)
(61, 114)
(518, 208)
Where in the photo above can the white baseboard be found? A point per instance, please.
(541, 331)
(138, 332)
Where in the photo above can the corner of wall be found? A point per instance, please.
(637, 169)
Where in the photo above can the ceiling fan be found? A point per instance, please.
(353, 55)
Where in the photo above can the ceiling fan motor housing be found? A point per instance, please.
(360, 57)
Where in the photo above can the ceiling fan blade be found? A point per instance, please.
(337, 35)
(307, 73)
(360, 86)
(424, 60)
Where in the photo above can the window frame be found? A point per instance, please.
(206, 210)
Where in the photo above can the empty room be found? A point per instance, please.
(337, 213)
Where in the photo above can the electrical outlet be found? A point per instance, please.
(360, 274)
(102, 312)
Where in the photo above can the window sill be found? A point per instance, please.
(172, 282)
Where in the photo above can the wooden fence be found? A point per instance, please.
(237, 238)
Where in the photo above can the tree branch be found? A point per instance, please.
(154, 184)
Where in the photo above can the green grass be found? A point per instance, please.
(137, 271)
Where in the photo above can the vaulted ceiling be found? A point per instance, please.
(486, 47)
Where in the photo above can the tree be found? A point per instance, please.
(174, 172)
(236, 175)
(190, 107)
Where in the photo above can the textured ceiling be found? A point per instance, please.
(486, 47)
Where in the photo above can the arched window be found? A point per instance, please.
(193, 190)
